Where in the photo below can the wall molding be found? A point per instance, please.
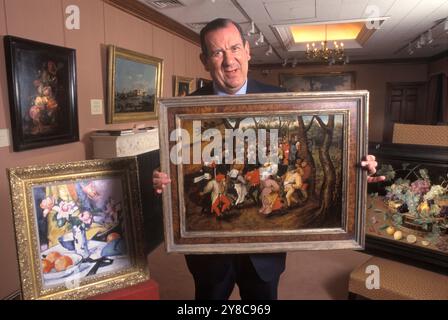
(426, 60)
(150, 15)
(441, 55)
(308, 64)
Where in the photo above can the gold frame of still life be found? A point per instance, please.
(78, 228)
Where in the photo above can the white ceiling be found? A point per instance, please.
(406, 20)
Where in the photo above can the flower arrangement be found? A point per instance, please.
(415, 202)
(76, 208)
(67, 212)
(43, 105)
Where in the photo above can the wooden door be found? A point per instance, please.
(405, 104)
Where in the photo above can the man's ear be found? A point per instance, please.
(204, 61)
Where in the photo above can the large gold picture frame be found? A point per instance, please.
(134, 85)
(78, 228)
(205, 209)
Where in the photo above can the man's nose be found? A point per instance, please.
(228, 57)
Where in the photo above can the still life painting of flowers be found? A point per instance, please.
(42, 93)
(42, 115)
(45, 99)
(411, 206)
(80, 229)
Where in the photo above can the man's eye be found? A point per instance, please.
(217, 54)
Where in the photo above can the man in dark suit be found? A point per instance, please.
(226, 54)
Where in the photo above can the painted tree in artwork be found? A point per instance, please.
(305, 153)
(327, 191)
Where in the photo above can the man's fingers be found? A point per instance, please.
(371, 163)
(160, 180)
(370, 166)
(159, 175)
(375, 179)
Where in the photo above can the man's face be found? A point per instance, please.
(228, 58)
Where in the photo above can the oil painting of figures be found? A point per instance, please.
(289, 178)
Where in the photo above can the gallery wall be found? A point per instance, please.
(101, 24)
(372, 77)
(439, 65)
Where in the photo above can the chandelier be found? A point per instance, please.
(325, 54)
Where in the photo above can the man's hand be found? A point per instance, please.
(160, 180)
(370, 164)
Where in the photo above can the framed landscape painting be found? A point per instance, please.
(335, 81)
(407, 215)
(78, 228)
(134, 85)
(264, 172)
(42, 93)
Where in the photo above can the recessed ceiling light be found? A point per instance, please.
(316, 33)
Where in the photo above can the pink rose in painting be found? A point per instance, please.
(47, 204)
(86, 217)
(35, 112)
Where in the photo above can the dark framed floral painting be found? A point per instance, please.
(42, 93)
(407, 215)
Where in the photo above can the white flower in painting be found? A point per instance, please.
(65, 209)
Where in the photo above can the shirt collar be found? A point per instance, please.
(218, 92)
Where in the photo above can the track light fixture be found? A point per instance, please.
(252, 29)
(426, 38)
(410, 50)
(429, 38)
(294, 63)
(260, 39)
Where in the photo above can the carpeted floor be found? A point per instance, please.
(308, 275)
